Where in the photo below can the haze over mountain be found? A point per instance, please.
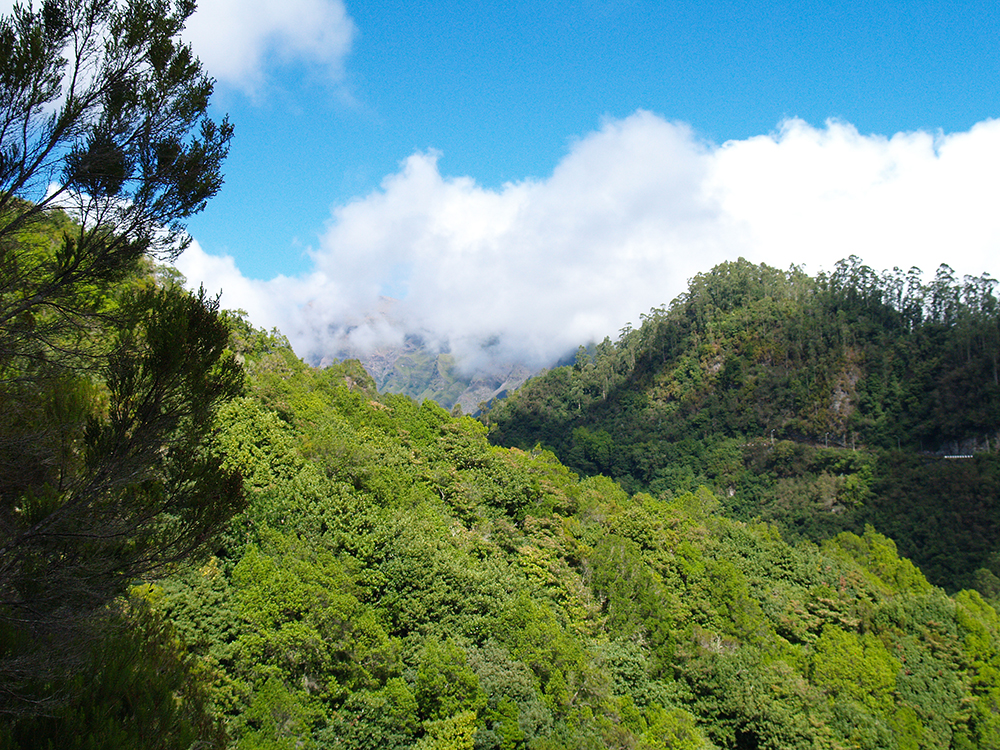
(538, 177)
(534, 178)
(421, 365)
(631, 212)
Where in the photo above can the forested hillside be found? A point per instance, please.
(818, 403)
(396, 581)
(205, 542)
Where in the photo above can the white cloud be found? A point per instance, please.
(808, 195)
(628, 216)
(235, 39)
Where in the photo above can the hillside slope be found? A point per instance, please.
(817, 403)
(399, 582)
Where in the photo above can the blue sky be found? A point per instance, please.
(546, 172)
(500, 89)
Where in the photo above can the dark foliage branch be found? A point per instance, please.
(108, 385)
(103, 114)
(126, 492)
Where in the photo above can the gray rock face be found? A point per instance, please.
(420, 371)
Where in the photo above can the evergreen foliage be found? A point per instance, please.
(109, 380)
(399, 582)
(817, 403)
(108, 477)
(394, 580)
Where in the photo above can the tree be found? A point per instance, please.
(139, 688)
(103, 114)
(107, 481)
(108, 383)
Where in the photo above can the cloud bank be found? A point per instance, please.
(627, 217)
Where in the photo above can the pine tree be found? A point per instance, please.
(108, 383)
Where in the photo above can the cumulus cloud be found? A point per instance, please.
(627, 217)
(809, 195)
(236, 38)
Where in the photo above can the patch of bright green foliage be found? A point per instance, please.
(399, 582)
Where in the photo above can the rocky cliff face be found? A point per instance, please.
(421, 364)
(486, 386)
(421, 371)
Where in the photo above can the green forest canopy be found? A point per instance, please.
(396, 581)
(206, 542)
(820, 404)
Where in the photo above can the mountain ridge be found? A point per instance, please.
(417, 367)
(853, 375)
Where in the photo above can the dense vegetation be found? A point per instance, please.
(109, 380)
(818, 403)
(396, 581)
(205, 542)
(107, 476)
